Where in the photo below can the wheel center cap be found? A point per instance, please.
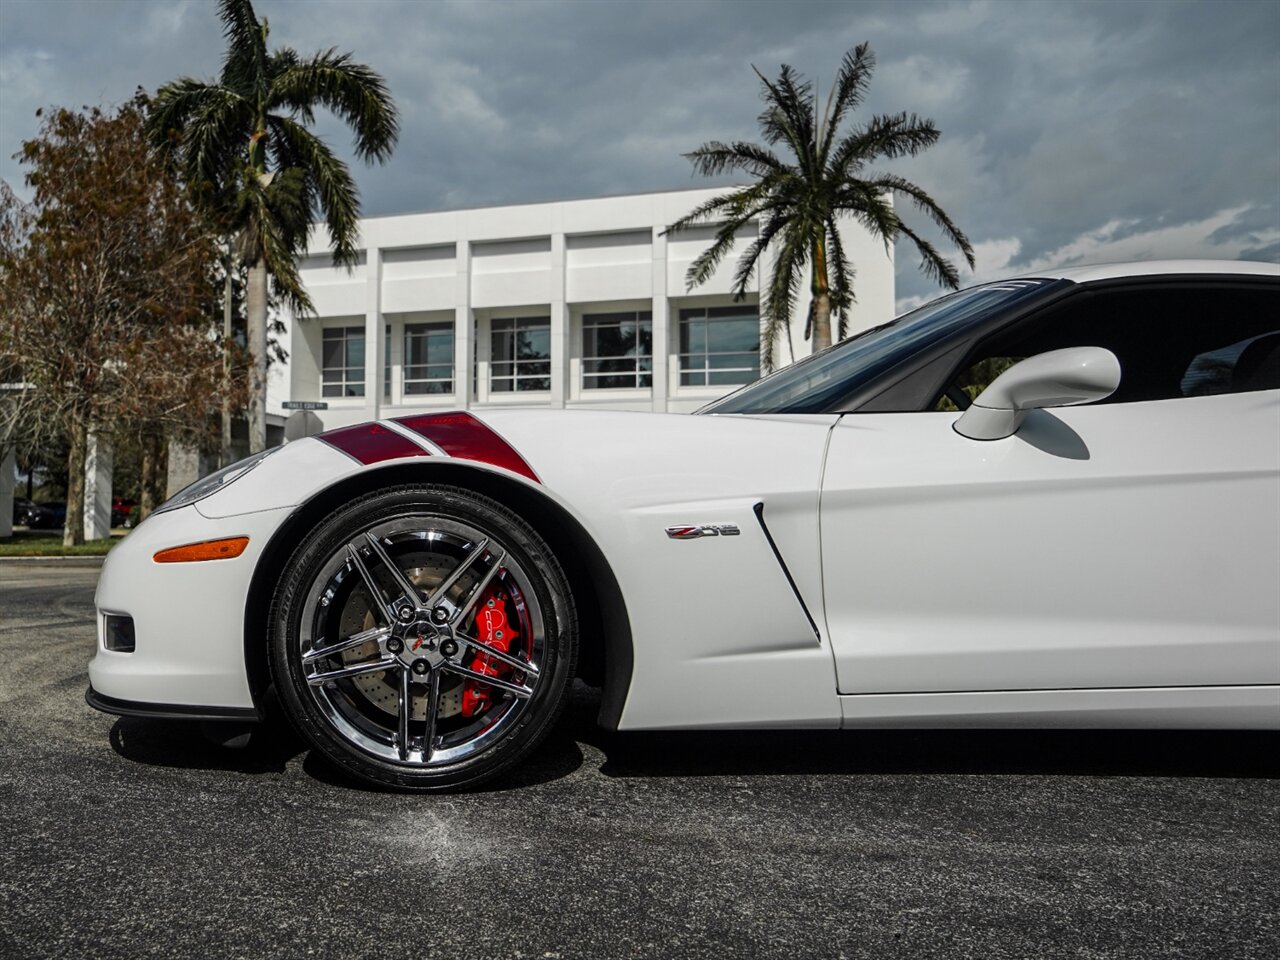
(421, 641)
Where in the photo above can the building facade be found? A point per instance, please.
(568, 304)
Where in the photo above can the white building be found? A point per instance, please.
(576, 303)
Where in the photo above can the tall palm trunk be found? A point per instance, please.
(821, 298)
(73, 531)
(256, 307)
(225, 459)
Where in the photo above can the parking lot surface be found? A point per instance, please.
(131, 838)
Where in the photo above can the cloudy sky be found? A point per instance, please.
(1072, 131)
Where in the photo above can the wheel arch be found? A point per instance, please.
(605, 655)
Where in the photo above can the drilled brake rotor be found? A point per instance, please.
(382, 689)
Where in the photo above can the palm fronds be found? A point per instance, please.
(242, 143)
(799, 202)
(234, 137)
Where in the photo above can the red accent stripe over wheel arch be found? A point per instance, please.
(371, 443)
(461, 435)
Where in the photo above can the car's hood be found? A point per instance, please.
(588, 458)
(635, 458)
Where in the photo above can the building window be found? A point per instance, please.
(428, 358)
(342, 362)
(520, 358)
(719, 346)
(617, 350)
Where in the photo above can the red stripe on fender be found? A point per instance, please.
(371, 443)
(463, 436)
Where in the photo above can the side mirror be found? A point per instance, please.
(1058, 378)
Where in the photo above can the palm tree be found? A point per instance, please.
(797, 204)
(243, 143)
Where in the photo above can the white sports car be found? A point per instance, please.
(1051, 501)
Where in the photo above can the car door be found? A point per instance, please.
(1132, 543)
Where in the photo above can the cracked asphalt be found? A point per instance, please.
(133, 839)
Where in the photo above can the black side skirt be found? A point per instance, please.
(167, 711)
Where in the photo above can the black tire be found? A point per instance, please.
(324, 587)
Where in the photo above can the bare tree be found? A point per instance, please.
(19, 424)
(107, 298)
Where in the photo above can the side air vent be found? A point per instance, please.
(759, 509)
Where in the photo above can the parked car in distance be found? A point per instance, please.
(121, 508)
(47, 516)
(22, 511)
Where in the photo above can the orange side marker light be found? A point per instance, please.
(223, 549)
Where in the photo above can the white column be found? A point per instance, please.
(663, 336)
(279, 375)
(560, 326)
(464, 333)
(186, 466)
(397, 360)
(8, 480)
(374, 333)
(97, 488)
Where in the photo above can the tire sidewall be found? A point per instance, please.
(547, 582)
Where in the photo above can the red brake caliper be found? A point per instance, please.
(493, 630)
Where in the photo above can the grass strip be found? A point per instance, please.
(41, 543)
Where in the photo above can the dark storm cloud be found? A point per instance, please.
(1070, 130)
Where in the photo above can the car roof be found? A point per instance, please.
(1148, 268)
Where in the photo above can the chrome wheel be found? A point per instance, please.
(424, 637)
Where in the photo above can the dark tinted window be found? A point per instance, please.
(617, 350)
(719, 346)
(428, 358)
(1173, 340)
(818, 383)
(520, 354)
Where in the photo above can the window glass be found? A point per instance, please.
(964, 388)
(342, 367)
(355, 347)
(520, 354)
(1173, 340)
(617, 350)
(534, 343)
(1243, 366)
(693, 335)
(332, 350)
(428, 358)
(818, 383)
(719, 346)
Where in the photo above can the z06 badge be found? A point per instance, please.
(694, 531)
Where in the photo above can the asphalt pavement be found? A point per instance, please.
(132, 839)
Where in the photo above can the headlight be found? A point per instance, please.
(207, 486)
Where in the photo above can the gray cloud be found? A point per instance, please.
(1069, 129)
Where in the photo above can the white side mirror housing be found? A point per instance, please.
(1058, 378)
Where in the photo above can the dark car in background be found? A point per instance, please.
(47, 516)
(22, 510)
(53, 515)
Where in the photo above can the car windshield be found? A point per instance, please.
(816, 383)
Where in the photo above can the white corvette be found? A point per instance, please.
(1052, 501)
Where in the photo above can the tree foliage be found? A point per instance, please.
(798, 201)
(243, 142)
(107, 295)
